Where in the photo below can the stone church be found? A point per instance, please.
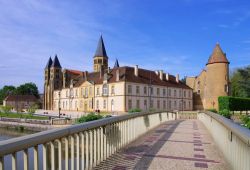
(122, 88)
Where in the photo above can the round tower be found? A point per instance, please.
(217, 78)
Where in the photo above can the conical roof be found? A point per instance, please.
(101, 51)
(218, 56)
(49, 63)
(56, 62)
(116, 64)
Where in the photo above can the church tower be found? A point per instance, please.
(100, 58)
(53, 81)
(217, 78)
(46, 84)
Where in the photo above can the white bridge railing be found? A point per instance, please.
(232, 139)
(81, 146)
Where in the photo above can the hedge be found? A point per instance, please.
(233, 103)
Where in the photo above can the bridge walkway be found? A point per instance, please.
(179, 144)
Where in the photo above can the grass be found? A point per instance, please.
(23, 116)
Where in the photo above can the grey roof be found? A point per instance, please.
(116, 64)
(56, 63)
(49, 63)
(101, 51)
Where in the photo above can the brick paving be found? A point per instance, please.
(179, 144)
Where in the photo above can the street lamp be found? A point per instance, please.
(59, 103)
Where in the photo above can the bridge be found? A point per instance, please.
(160, 140)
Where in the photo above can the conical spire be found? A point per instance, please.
(116, 64)
(49, 63)
(101, 51)
(217, 56)
(56, 62)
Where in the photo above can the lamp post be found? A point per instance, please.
(59, 103)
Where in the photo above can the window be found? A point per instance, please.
(137, 89)
(158, 91)
(104, 104)
(105, 89)
(189, 94)
(86, 91)
(71, 93)
(129, 89)
(145, 103)
(90, 91)
(138, 104)
(175, 104)
(76, 93)
(112, 90)
(164, 92)
(164, 104)
(67, 93)
(98, 91)
(169, 92)
(184, 104)
(180, 93)
(90, 104)
(174, 93)
(145, 90)
(81, 104)
(151, 103)
(82, 92)
(184, 93)
(97, 104)
(158, 104)
(169, 104)
(129, 104)
(75, 104)
(226, 88)
(189, 104)
(151, 90)
(199, 92)
(63, 104)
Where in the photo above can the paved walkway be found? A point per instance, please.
(180, 144)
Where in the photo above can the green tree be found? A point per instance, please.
(28, 89)
(5, 91)
(240, 82)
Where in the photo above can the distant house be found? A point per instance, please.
(20, 102)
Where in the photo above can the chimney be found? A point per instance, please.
(156, 72)
(117, 75)
(161, 74)
(167, 76)
(85, 75)
(136, 70)
(177, 78)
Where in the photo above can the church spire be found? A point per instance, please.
(116, 64)
(49, 63)
(218, 56)
(56, 62)
(101, 51)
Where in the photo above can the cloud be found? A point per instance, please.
(223, 26)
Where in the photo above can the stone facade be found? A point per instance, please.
(212, 82)
(116, 89)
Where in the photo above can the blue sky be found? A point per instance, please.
(176, 36)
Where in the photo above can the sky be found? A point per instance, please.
(175, 36)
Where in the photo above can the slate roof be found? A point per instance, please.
(116, 64)
(56, 63)
(101, 51)
(218, 56)
(49, 63)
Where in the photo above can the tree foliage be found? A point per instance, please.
(240, 82)
(24, 89)
(5, 91)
